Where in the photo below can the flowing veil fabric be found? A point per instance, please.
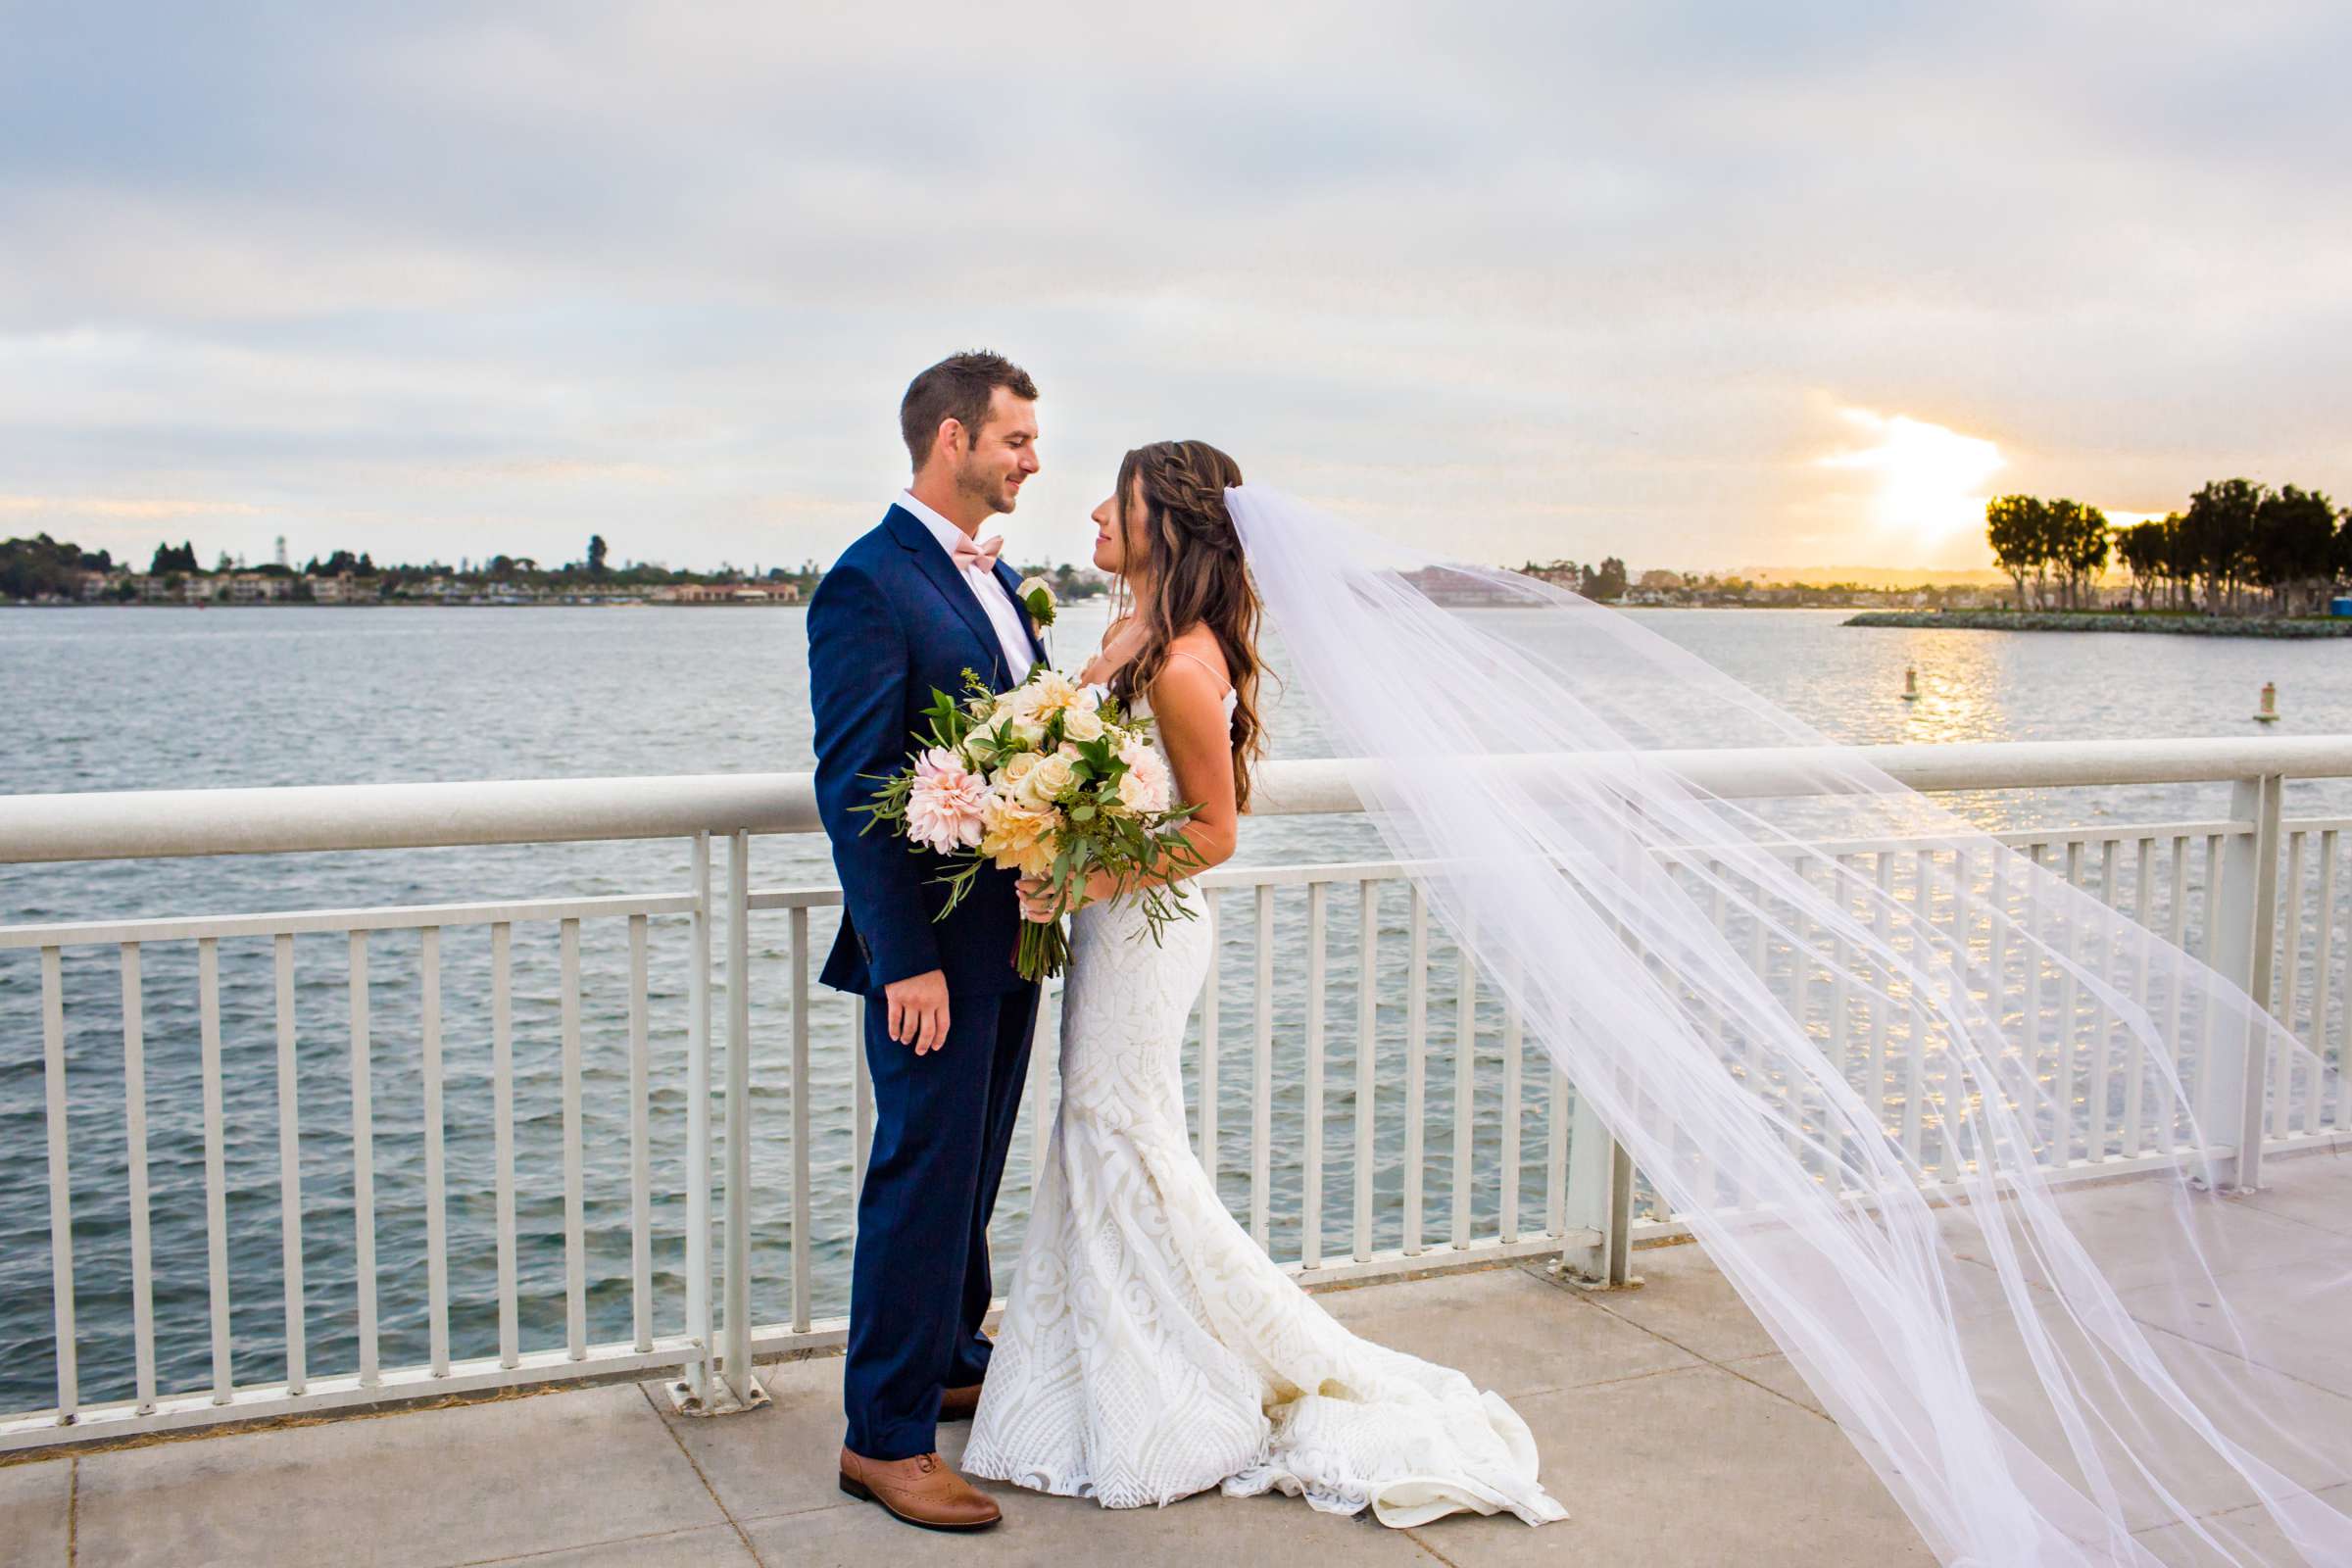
(1867, 1052)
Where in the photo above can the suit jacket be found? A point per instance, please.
(893, 620)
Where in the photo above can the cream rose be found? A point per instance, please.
(1048, 780)
(1081, 724)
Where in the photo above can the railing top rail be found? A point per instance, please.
(147, 824)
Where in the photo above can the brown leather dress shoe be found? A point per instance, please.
(922, 1491)
(958, 1404)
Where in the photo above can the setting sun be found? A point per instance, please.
(1931, 479)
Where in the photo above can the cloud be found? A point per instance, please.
(1552, 280)
(111, 507)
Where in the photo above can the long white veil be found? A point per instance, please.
(1867, 1052)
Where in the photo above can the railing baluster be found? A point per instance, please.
(2070, 994)
(2319, 971)
(1367, 1047)
(502, 1117)
(289, 1169)
(641, 1141)
(2095, 1119)
(2344, 1050)
(1465, 1063)
(1914, 1058)
(575, 1244)
(1416, 1060)
(2214, 875)
(1310, 1186)
(1759, 959)
(135, 1150)
(437, 1227)
(1207, 1088)
(1514, 1046)
(804, 1221)
(1841, 870)
(2290, 966)
(61, 1193)
(2135, 1064)
(1555, 1156)
(697, 1386)
(215, 1174)
(1800, 992)
(1883, 1004)
(363, 1153)
(2179, 892)
(1261, 1134)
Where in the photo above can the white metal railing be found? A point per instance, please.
(1369, 1226)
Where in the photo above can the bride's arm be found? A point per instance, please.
(1188, 707)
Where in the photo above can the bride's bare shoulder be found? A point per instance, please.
(1200, 645)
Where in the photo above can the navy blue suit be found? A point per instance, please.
(893, 620)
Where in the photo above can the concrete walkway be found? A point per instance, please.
(1667, 1423)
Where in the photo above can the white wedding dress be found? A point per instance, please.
(1150, 1349)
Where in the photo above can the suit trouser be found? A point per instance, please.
(920, 1283)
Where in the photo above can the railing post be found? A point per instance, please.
(735, 1388)
(692, 1392)
(1600, 1199)
(736, 1364)
(2246, 916)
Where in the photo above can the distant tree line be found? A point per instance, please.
(30, 568)
(42, 567)
(1605, 580)
(2239, 547)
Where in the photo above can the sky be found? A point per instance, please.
(1698, 285)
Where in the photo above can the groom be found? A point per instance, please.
(906, 608)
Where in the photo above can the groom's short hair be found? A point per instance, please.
(959, 387)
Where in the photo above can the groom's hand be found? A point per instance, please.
(918, 1010)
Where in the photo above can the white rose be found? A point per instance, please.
(1051, 778)
(1081, 724)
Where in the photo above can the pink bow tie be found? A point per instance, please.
(982, 554)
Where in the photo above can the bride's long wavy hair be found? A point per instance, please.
(1195, 574)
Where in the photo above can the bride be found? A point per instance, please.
(1149, 1348)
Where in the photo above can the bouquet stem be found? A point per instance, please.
(1043, 950)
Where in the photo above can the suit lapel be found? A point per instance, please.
(933, 563)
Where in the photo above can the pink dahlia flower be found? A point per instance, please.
(946, 804)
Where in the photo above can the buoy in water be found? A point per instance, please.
(1910, 683)
(2269, 704)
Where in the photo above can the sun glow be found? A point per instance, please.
(1931, 480)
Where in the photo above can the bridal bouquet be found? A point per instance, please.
(1051, 779)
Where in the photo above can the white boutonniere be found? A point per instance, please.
(1038, 595)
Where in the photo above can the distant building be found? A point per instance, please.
(257, 587)
(330, 590)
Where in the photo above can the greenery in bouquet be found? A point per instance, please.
(1051, 779)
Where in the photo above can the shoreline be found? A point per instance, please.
(2159, 623)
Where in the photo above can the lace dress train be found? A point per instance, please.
(1150, 1349)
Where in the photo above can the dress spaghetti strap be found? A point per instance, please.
(1179, 653)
